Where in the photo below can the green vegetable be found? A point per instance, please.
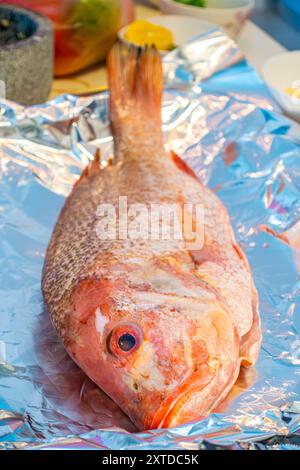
(90, 16)
(195, 3)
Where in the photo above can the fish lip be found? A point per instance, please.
(158, 421)
(191, 385)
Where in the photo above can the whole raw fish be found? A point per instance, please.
(161, 325)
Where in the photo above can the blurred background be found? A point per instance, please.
(84, 30)
(280, 19)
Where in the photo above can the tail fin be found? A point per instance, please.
(136, 83)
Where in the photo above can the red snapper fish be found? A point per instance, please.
(160, 325)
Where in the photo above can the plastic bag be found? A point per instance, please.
(84, 29)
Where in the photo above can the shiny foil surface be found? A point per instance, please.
(220, 118)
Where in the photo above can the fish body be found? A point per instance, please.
(161, 326)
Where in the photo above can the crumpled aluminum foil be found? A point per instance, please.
(229, 131)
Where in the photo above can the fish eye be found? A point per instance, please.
(126, 342)
(124, 339)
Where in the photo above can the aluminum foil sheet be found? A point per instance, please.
(230, 132)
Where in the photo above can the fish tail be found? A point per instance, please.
(136, 82)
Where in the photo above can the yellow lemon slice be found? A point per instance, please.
(144, 33)
(293, 91)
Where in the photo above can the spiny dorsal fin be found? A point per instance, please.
(92, 168)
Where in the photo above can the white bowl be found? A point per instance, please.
(183, 28)
(281, 72)
(232, 19)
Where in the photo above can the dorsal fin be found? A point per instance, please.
(183, 166)
(92, 168)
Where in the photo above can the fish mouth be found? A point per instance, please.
(180, 407)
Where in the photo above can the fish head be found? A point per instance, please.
(159, 358)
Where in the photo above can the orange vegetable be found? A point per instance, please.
(84, 29)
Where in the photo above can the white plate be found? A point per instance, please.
(231, 17)
(280, 72)
(183, 28)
